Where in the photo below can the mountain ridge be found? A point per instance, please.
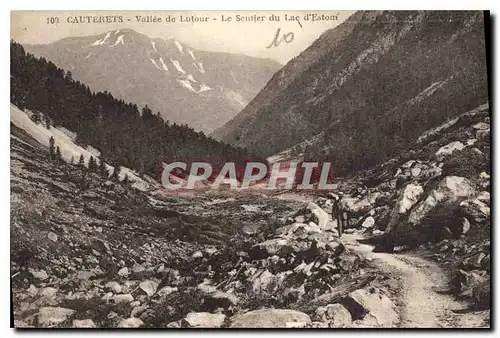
(363, 95)
(188, 86)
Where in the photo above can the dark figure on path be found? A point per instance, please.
(339, 212)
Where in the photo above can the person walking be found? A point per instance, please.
(339, 212)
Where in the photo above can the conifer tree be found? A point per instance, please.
(103, 170)
(81, 161)
(115, 176)
(52, 149)
(126, 180)
(92, 164)
(36, 117)
(58, 154)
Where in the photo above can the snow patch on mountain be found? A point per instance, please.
(187, 84)
(153, 44)
(179, 46)
(154, 62)
(204, 88)
(118, 41)
(117, 31)
(163, 64)
(102, 41)
(199, 66)
(177, 66)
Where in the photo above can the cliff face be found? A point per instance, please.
(367, 88)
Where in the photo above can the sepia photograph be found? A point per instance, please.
(250, 169)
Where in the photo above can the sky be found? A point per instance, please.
(217, 33)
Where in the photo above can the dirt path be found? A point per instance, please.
(422, 306)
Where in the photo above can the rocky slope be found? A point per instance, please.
(434, 198)
(366, 89)
(202, 89)
(90, 252)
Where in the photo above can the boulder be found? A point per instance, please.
(126, 298)
(204, 320)
(48, 316)
(130, 323)
(41, 275)
(363, 302)
(263, 282)
(81, 324)
(123, 272)
(449, 149)
(149, 287)
(270, 318)
(407, 199)
(338, 315)
(357, 206)
(320, 215)
(166, 290)
(113, 286)
(475, 209)
(483, 135)
(369, 222)
(450, 189)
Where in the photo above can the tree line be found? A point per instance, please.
(125, 136)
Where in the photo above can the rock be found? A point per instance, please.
(465, 225)
(408, 198)
(86, 323)
(484, 196)
(130, 323)
(369, 222)
(268, 248)
(415, 172)
(175, 325)
(48, 316)
(362, 302)
(449, 149)
(321, 215)
(138, 310)
(338, 315)
(481, 294)
(123, 272)
(126, 298)
(483, 135)
(48, 291)
(204, 320)
(465, 281)
(451, 188)
(263, 282)
(52, 236)
(270, 318)
(220, 299)
(476, 209)
(149, 287)
(485, 176)
(481, 126)
(41, 275)
(166, 290)
(114, 286)
(357, 207)
(197, 254)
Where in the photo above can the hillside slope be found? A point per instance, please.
(369, 87)
(202, 89)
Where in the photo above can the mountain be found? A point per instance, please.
(366, 89)
(188, 86)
